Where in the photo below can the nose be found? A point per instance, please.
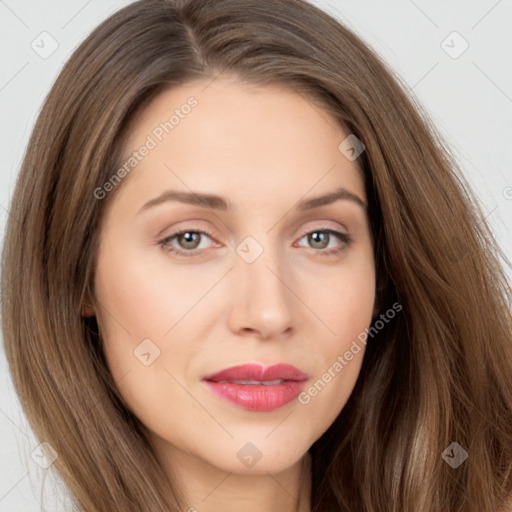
(262, 301)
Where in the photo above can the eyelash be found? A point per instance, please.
(346, 238)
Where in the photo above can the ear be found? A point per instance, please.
(87, 307)
(87, 310)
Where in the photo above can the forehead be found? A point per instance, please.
(224, 135)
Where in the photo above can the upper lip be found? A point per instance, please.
(258, 373)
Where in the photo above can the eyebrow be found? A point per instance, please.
(216, 202)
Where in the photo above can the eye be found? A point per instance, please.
(189, 241)
(321, 238)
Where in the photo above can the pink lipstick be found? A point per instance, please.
(256, 388)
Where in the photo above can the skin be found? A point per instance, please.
(263, 149)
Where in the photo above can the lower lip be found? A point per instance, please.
(257, 397)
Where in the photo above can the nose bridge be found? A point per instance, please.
(262, 300)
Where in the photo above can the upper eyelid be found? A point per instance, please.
(209, 232)
(303, 233)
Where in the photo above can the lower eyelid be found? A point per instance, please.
(165, 241)
(345, 239)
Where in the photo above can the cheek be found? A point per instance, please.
(145, 296)
(344, 302)
(147, 299)
(345, 306)
(145, 306)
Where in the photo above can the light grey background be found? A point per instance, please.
(468, 97)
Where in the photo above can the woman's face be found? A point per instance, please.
(269, 283)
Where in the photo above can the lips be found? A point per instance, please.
(254, 372)
(256, 388)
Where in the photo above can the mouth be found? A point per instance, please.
(252, 382)
(256, 388)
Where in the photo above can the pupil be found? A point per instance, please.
(315, 236)
(189, 237)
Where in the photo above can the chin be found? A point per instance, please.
(260, 457)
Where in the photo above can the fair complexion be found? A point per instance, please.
(300, 302)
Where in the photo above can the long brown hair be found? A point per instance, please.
(439, 373)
